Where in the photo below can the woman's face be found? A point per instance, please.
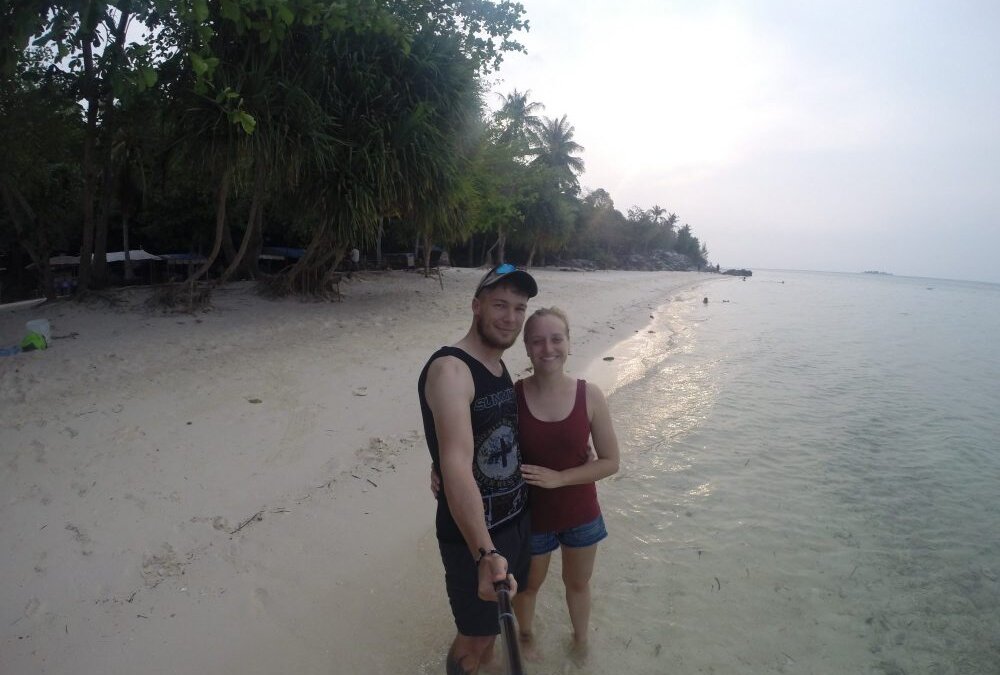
(547, 343)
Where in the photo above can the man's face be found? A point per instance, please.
(500, 314)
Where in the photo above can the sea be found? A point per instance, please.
(810, 483)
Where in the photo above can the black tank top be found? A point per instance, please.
(496, 462)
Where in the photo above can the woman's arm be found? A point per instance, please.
(602, 432)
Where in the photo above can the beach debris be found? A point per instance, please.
(157, 567)
(360, 391)
(255, 517)
(609, 358)
(657, 649)
(254, 400)
(718, 584)
(371, 481)
(705, 300)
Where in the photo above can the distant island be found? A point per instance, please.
(888, 274)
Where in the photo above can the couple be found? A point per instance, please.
(491, 442)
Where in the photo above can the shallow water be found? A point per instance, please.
(810, 483)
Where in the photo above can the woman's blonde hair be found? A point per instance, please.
(546, 311)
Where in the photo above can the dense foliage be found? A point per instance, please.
(220, 126)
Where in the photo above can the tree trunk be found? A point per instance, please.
(228, 250)
(100, 264)
(20, 212)
(531, 255)
(427, 254)
(314, 271)
(253, 220)
(221, 195)
(116, 47)
(129, 273)
(89, 141)
(251, 262)
(378, 243)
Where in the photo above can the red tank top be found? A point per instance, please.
(558, 445)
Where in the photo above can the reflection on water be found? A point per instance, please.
(810, 483)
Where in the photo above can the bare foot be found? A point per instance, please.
(494, 667)
(489, 664)
(529, 648)
(579, 651)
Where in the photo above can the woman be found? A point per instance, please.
(557, 416)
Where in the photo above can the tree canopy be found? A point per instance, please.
(215, 128)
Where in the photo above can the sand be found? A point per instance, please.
(244, 490)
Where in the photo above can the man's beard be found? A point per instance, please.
(492, 341)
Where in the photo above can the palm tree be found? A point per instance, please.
(517, 119)
(557, 150)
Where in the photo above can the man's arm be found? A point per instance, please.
(449, 390)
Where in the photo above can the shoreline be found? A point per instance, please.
(243, 490)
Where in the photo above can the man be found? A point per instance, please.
(470, 421)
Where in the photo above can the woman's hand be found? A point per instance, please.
(435, 483)
(539, 476)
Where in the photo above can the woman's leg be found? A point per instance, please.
(578, 566)
(524, 602)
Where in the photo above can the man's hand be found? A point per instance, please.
(493, 568)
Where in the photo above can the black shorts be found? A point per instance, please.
(475, 617)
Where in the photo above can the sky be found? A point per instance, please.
(789, 134)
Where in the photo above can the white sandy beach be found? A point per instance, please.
(245, 490)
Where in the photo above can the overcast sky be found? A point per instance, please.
(790, 134)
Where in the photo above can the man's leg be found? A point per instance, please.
(467, 653)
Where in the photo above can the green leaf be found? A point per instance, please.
(201, 10)
(247, 121)
(230, 10)
(199, 65)
(149, 76)
(285, 15)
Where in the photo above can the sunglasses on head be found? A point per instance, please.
(497, 271)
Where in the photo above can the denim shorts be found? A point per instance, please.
(581, 536)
